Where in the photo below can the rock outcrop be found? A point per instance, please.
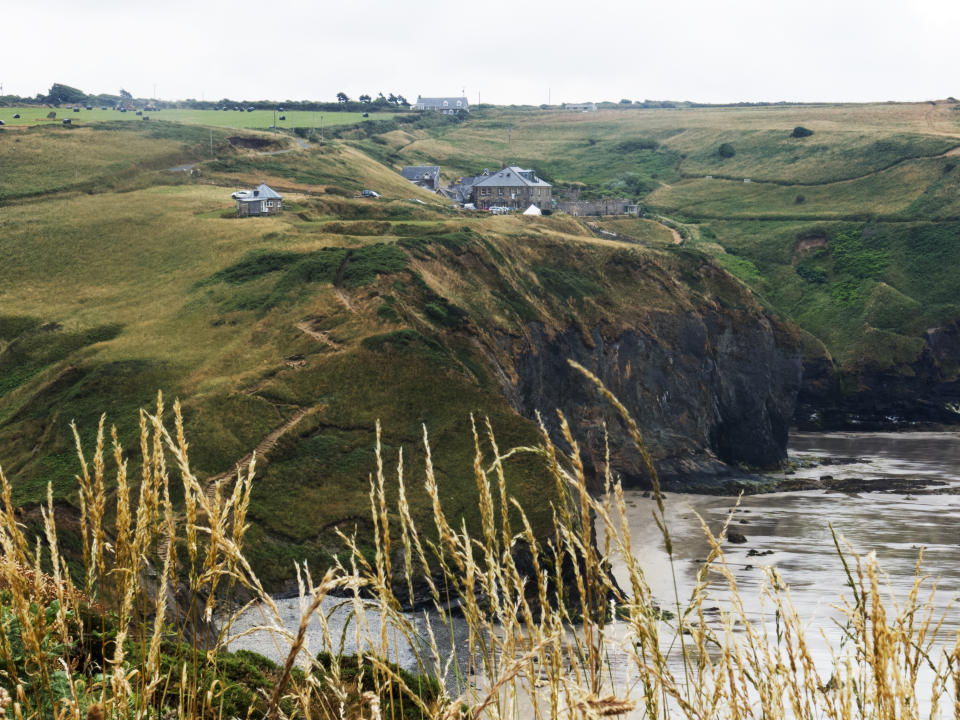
(713, 392)
(868, 396)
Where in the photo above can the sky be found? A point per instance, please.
(505, 53)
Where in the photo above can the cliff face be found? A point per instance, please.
(914, 390)
(710, 390)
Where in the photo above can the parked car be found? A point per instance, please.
(370, 194)
(241, 194)
(500, 210)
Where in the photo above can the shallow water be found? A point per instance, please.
(795, 526)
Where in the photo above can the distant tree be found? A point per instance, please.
(342, 98)
(624, 101)
(364, 98)
(726, 151)
(401, 100)
(64, 93)
(125, 95)
(381, 100)
(392, 99)
(801, 132)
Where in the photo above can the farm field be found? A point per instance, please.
(238, 120)
(55, 158)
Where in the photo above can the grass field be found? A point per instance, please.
(238, 120)
(48, 159)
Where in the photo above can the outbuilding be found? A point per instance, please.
(263, 200)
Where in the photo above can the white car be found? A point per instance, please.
(241, 194)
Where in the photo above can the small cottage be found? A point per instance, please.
(447, 105)
(426, 176)
(261, 201)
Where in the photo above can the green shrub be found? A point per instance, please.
(811, 274)
(726, 150)
(801, 132)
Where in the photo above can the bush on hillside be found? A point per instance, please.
(726, 150)
(801, 132)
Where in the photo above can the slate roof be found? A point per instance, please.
(417, 173)
(438, 102)
(262, 192)
(512, 177)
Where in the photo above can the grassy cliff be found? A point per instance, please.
(294, 334)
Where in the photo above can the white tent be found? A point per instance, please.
(532, 210)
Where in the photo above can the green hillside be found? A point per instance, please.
(850, 229)
(291, 334)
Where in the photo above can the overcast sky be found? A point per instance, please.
(506, 52)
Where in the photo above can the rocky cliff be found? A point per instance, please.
(914, 388)
(712, 393)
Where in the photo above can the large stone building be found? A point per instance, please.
(447, 105)
(513, 188)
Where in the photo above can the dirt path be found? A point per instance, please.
(321, 335)
(262, 450)
(677, 237)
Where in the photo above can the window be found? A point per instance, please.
(445, 103)
(500, 192)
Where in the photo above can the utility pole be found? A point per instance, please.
(321, 130)
(211, 142)
(274, 121)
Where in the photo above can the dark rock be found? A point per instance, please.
(736, 538)
(758, 553)
(709, 390)
(826, 478)
(873, 398)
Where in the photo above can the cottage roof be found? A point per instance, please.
(512, 177)
(420, 172)
(262, 192)
(438, 102)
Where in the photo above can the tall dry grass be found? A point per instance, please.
(140, 629)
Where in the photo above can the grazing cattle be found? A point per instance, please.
(283, 117)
